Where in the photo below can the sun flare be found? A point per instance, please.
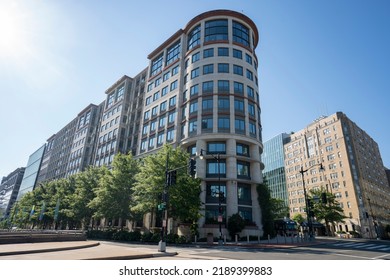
(12, 30)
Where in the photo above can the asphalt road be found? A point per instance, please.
(331, 250)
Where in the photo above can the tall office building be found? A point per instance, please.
(274, 171)
(9, 189)
(84, 139)
(354, 172)
(202, 95)
(31, 173)
(120, 120)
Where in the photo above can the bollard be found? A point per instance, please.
(247, 238)
(269, 241)
(224, 239)
(236, 238)
(195, 239)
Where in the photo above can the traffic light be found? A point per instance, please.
(172, 177)
(324, 199)
(161, 206)
(310, 203)
(192, 167)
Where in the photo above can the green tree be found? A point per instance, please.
(267, 213)
(114, 193)
(235, 224)
(330, 211)
(184, 201)
(85, 184)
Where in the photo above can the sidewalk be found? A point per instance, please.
(74, 250)
(95, 250)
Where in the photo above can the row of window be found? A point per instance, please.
(217, 30)
(221, 52)
(222, 68)
(223, 123)
(115, 96)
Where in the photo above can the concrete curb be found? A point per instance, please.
(46, 250)
(133, 257)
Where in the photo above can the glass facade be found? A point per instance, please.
(274, 171)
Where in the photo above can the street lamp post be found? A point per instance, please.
(220, 193)
(308, 210)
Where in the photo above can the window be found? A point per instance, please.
(215, 191)
(238, 88)
(207, 123)
(212, 213)
(242, 150)
(193, 125)
(251, 109)
(244, 194)
(212, 168)
(146, 115)
(237, 53)
(153, 126)
(154, 111)
(208, 69)
(166, 76)
(224, 124)
(156, 95)
(223, 67)
(250, 92)
(164, 91)
(173, 53)
(223, 51)
(120, 93)
(239, 105)
(143, 145)
(110, 100)
(162, 121)
(240, 34)
(194, 90)
(207, 104)
(223, 86)
(248, 58)
(243, 169)
(246, 214)
(156, 65)
(195, 73)
(174, 85)
(193, 38)
(194, 107)
(208, 87)
(216, 30)
(208, 53)
(160, 139)
(195, 57)
(216, 148)
(145, 129)
(163, 106)
(151, 142)
(238, 70)
(172, 101)
(170, 135)
(171, 117)
(148, 101)
(224, 103)
(249, 74)
(239, 125)
(175, 70)
(157, 82)
(252, 129)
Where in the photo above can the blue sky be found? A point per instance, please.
(315, 58)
